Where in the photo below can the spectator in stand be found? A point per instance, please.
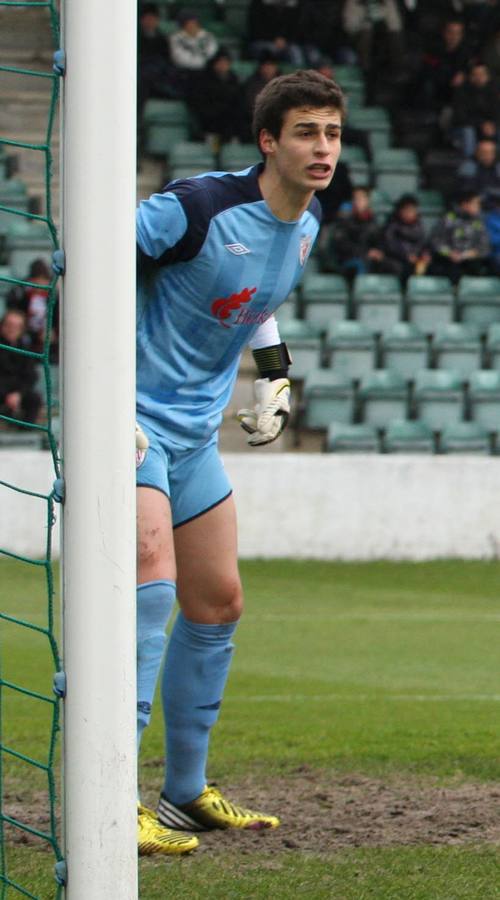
(273, 25)
(18, 375)
(491, 205)
(32, 302)
(217, 102)
(338, 192)
(370, 24)
(490, 52)
(443, 68)
(482, 172)
(474, 110)
(405, 241)
(156, 74)
(190, 49)
(322, 35)
(266, 69)
(459, 241)
(354, 242)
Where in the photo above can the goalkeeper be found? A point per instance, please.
(217, 254)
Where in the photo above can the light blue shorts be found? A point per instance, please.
(194, 479)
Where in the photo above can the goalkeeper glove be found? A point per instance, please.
(141, 445)
(268, 418)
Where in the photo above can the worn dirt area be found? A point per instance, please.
(322, 812)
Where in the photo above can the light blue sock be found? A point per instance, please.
(194, 677)
(155, 601)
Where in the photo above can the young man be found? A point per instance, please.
(217, 254)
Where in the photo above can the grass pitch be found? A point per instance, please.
(387, 672)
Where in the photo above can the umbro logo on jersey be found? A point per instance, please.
(237, 249)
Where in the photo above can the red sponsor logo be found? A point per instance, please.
(224, 306)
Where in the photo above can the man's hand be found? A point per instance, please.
(265, 422)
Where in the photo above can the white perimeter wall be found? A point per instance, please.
(316, 505)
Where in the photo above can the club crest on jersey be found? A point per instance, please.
(305, 249)
(237, 249)
(140, 456)
(223, 307)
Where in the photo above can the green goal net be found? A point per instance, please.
(30, 264)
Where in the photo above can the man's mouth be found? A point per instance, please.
(320, 170)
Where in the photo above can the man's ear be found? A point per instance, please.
(267, 142)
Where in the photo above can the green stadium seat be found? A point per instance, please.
(484, 399)
(355, 159)
(351, 348)
(236, 16)
(235, 157)
(465, 437)
(288, 309)
(381, 205)
(359, 438)
(304, 343)
(166, 123)
(396, 171)
(27, 240)
(192, 152)
(492, 345)
(430, 300)
(325, 298)
(457, 345)
(377, 301)
(431, 204)
(404, 350)
(244, 68)
(5, 286)
(328, 396)
(478, 300)
(376, 121)
(403, 436)
(348, 75)
(439, 397)
(384, 396)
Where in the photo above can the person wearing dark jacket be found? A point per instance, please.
(217, 100)
(18, 376)
(354, 243)
(405, 241)
(459, 241)
(474, 114)
(274, 25)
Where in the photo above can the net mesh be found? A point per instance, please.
(30, 817)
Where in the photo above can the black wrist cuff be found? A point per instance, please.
(273, 362)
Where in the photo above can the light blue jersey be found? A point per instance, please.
(214, 264)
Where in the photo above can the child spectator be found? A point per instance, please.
(404, 240)
(32, 301)
(491, 206)
(353, 246)
(459, 241)
(18, 376)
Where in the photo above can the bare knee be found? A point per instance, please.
(213, 606)
(154, 562)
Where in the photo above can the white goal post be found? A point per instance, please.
(98, 364)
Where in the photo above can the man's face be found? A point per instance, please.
(486, 153)
(306, 153)
(12, 328)
(453, 34)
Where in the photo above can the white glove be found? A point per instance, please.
(267, 419)
(141, 441)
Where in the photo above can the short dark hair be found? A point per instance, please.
(305, 87)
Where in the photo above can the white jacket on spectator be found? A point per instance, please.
(360, 15)
(192, 51)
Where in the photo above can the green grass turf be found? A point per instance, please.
(371, 668)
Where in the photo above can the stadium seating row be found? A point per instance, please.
(437, 398)
(402, 436)
(353, 350)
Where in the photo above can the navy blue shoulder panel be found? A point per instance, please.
(202, 198)
(315, 209)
